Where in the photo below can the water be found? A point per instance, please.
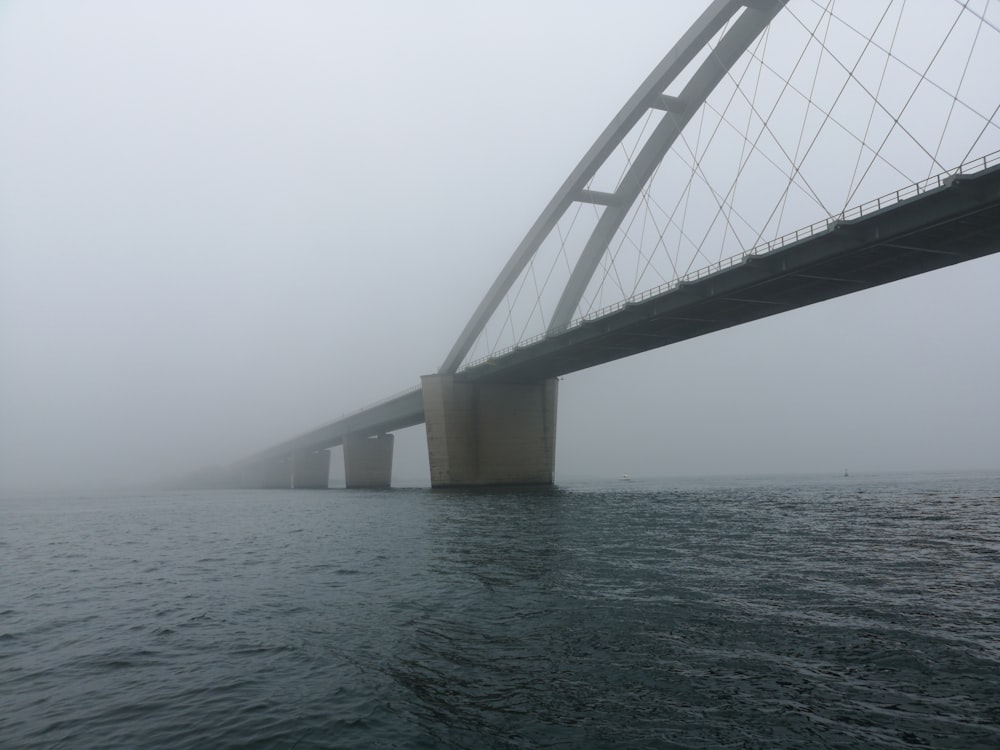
(764, 613)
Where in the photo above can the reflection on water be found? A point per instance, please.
(763, 612)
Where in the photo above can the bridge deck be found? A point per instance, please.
(956, 222)
(404, 410)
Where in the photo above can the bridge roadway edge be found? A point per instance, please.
(951, 224)
(957, 222)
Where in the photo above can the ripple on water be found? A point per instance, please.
(741, 614)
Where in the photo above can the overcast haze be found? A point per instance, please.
(224, 223)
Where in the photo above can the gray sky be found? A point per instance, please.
(224, 223)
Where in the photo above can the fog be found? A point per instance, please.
(222, 224)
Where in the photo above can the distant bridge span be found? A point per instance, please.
(948, 220)
(956, 220)
(492, 420)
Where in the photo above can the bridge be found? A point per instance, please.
(735, 257)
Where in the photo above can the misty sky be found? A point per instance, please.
(224, 223)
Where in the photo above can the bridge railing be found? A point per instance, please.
(829, 224)
(380, 402)
(362, 410)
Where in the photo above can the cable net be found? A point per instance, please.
(833, 105)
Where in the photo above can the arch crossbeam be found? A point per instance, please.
(749, 25)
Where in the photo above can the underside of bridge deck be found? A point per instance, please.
(954, 223)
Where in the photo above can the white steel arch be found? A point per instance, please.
(726, 32)
(753, 18)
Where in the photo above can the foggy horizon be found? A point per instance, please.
(219, 230)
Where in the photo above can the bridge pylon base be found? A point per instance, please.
(311, 471)
(368, 461)
(269, 474)
(490, 433)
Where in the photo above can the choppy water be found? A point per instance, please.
(860, 612)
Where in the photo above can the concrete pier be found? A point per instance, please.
(311, 471)
(368, 461)
(271, 474)
(490, 433)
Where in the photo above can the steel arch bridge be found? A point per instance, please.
(782, 153)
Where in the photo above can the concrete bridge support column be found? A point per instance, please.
(272, 474)
(490, 433)
(368, 461)
(311, 471)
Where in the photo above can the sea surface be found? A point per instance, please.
(836, 612)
